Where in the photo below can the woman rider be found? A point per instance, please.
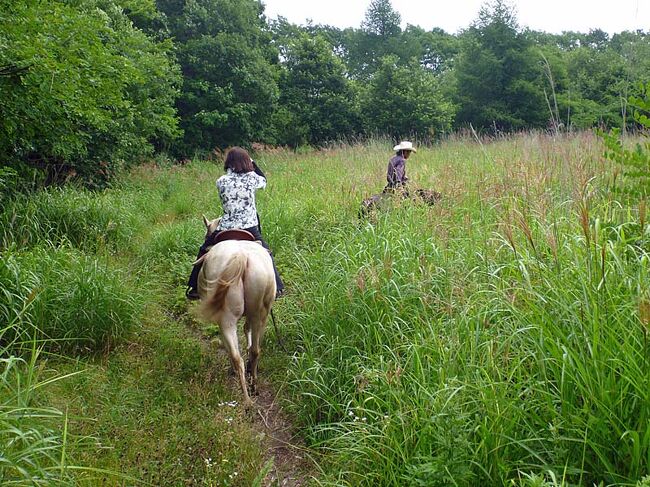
(237, 192)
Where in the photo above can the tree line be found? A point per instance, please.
(91, 86)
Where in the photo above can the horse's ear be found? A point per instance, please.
(205, 221)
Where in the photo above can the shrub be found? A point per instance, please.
(84, 219)
(84, 91)
(65, 300)
(633, 164)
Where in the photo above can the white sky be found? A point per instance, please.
(553, 16)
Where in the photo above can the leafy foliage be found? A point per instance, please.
(92, 86)
(634, 164)
(229, 88)
(90, 92)
(497, 73)
(402, 101)
(317, 103)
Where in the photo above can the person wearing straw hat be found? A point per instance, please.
(396, 173)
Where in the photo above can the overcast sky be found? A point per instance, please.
(452, 15)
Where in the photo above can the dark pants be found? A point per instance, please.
(194, 276)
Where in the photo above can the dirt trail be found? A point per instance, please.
(291, 461)
(289, 458)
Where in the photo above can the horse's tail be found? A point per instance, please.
(232, 273)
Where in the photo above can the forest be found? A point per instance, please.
(90, 87)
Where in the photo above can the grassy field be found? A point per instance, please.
(499, 337)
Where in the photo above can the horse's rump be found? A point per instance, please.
(237, 279)
(232, 274)
(241, 266)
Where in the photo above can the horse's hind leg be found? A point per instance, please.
(228, 326)
(247, 332)
(249, 342)
(257, 326)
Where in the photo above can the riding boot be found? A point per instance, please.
(192, 292)
(279, 285)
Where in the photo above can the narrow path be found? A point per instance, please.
(290, 461)
(290, 457)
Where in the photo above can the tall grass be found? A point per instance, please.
(33, 436)
(499, 336)
(78, 217)
(65, 300)
(83, 272)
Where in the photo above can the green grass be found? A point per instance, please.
(81, 218)
(163, 413)
(500, 337)
(494, 337)
(65, 300)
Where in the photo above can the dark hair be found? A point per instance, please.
(238, 160)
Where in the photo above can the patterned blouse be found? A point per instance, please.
(237, 192)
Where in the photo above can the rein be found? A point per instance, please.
(277, 333)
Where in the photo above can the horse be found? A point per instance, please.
(378, 201)
(236, 280)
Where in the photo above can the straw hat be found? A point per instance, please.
(404, 145)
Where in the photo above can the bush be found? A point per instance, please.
(632, 165)
(82, 218)
(64, 300)
(84, 91)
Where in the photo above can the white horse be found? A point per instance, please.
(236, 280)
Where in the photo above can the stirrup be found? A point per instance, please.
(192, 294)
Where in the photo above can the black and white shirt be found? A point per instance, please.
(237, 192)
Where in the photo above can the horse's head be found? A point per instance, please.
(429, 196)
(210, 225)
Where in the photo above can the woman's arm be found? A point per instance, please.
(258, 171)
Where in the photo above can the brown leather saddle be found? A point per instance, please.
(232, 234)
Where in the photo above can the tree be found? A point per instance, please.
(381, 20)
(435, 50)
(379, 36)
(317, 101)
(596, 82)
(90, 92)
(405, 100)
(498, 73)
(230, 82)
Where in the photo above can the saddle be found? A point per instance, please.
(220, 236)
(232, 234)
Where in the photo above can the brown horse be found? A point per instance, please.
(377, 201)
(237, 280)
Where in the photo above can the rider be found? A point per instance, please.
(237, 192)
(396, 173)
